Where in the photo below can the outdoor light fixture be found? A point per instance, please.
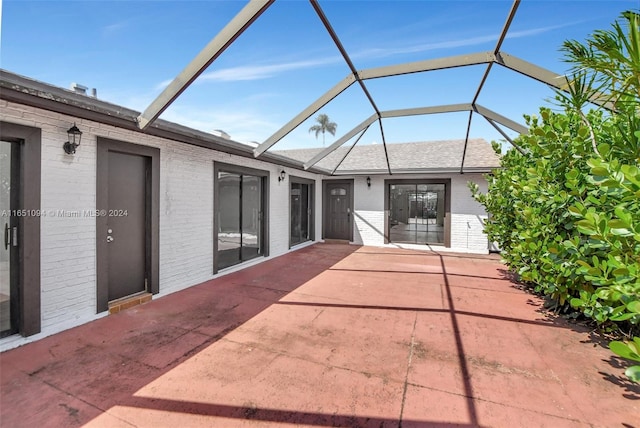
(281, 178)
(75, 135)
(368, 181)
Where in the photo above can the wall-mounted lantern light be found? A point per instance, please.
(282, 174)
(368, 181)
(75, 135)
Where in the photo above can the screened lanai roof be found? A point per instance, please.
(386, 72)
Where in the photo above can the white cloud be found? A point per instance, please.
(472, 41)
(241, 125)
(114, 28)
(264, 71)
(256, 72)
(160, 86)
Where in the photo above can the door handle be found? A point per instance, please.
(7, 239)
(109, 238)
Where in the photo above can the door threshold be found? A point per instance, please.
(336, 241)
(127, 302)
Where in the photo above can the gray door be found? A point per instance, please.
(338, 216)
(126, 233)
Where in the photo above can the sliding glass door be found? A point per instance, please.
(9, 257)
(239, 211)
(301, 211)
(417, 213)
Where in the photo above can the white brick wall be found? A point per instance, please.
(368, 203)
(467, 215)
(68, 244)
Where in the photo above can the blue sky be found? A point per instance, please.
(129, 50)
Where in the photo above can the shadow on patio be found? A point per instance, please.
(330, 335)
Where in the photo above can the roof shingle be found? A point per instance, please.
(431, 156)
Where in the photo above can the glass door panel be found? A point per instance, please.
(251, 217)
(416, 213)
(433, 213)
(239, 211)
(9, 269)
(300, 212)
(229, 231)
(401, 220)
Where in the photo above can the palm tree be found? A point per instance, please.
(324, 125)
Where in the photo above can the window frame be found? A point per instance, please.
(312, 206)
(416, 181)
(30, 140)
(242, 170)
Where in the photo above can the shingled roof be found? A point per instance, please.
(425, 156)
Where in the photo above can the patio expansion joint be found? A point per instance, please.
(553, 373)
(406, 376)
(279, 353)
(416, 385)
(68, 394)
(260, 287)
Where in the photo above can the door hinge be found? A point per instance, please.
(146, 282)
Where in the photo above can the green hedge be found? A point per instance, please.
(566, 210)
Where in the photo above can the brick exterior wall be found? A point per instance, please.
(68, 244)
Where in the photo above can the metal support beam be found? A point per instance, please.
(485, 112)
(214, 48)
(507, 24)
(528, 69)
(346, 137)
(447, 108)
(504, 134)
(466, 141)
(427, 65)
(305, 114)
(345, 55)
(503, 34)
(364, 131)
(386, 114)
(504, 121)
(384, 145)
(548, 77)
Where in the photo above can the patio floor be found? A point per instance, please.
(330, 335)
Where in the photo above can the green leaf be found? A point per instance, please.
(599, 171)
(634, 307)
(624, 215)
(633, 373)
(572, 175)
(617, 224)
(576, 303)
(621, 232)
(622, 317)
(604, 149)
(621, 349)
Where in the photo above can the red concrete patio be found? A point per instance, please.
(331, 335)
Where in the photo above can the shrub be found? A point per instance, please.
(566, 211)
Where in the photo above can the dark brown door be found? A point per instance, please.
(126, 233)
(338, 216)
